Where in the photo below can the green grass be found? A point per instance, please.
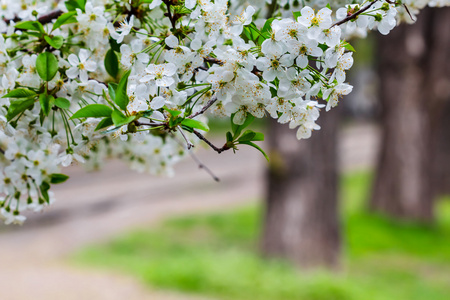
(216, 255)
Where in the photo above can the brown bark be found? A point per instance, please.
(301, 221)
(413, 62)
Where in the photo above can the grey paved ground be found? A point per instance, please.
(93, 208)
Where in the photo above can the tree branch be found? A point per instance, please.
(44, 19)
(218, 150)
(205, 108)
(202, 166)
(195, 158)
(353, 16)
(213, 60)
(170, 16)
(188, 142)
(50, 16)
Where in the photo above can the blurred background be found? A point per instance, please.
(359, 211)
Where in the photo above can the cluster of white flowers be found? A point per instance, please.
(85, 80)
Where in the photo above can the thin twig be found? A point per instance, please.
(205, 108)
(353, 16)
(137, 123)
(218, 150)
(170, 16)
(202, 166)
(197, 160)
(213, 60)
(189, 144)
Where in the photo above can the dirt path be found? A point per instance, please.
(94, 207)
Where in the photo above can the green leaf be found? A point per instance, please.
(259, 136)
(111, 63)
(257, 147)
(18, 106)
(324, 47)
(229, 137)
(56, 178)
(30, 25)
(104, 123)
(47, 66)
(56, 42)
(62, 103)
(119, 119)
(46, 102)
(44, 187)
(265, 31)
(93, 111)
(250, 135)
(122, 99)
(252, 32)
(114, 45)
(237, 129)
(174, 113)
(20, 93)
(110, 130)
(72, 5)
(112, 88)
(66, 18)
(296, 15)
(195, 124)
(348, 47)
(267, 26)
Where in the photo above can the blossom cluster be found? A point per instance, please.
(82, 81)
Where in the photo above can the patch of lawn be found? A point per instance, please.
(217, 255)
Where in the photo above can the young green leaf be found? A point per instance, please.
(66, 18)
(44, 187)
(56, 178)
(30, 25)
(18, 106)
(237, 129)
(121, 98)
(20, 93)
(229, 137)
(46, 66)
(62, 103)
(119, 119)
(349, 47)
(111, 63)
(195, 124)
(174, 113)
(93, 111)
(256, 147)
(104, 123)
(250, 135)
(112, 88)
(46, 102)
(72, 5)
(56, 41)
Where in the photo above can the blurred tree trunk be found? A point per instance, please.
(441, 176)
(414, 62)
(301, 219)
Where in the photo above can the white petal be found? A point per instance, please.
(171, 41)
(84, 76)
(72, 72)
(84, 55)
(157, 102)
(91, 66)
(73, 60)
